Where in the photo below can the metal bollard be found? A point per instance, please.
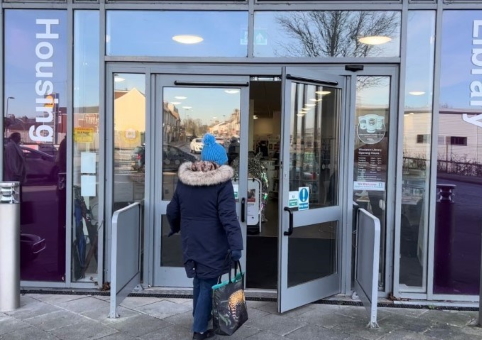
(9, 246)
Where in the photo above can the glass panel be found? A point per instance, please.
(129, 138)
(177, 33)
(459, 164)
(416, 149)
(189, 113)
(85, 146)
(171, 248)
(371, 152)
(315, 34)
(314, 145)
(312, 252)
(35, 117)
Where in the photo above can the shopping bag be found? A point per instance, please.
(229, 304)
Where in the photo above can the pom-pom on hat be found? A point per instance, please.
(212, 151)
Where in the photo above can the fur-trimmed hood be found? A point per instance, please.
(192, 177)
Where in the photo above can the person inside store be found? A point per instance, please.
(15, 168)
(262, 148)
(233, 150)
(203, 209)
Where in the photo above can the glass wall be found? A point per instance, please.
(459, 156)
(316, 34)
(417, 133)
(85, 200)
(34, 127)
(177, 34)
(371, 153)
(129, 138)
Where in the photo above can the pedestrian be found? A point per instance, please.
(203, 210)
(15, 168)
(233, 150)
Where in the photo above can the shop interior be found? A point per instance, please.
(264, 141)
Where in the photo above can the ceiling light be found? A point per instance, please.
(417, 93)
(411, 113)
(315, 100)
(255, 117)
(322, 92)
(374, 40)
(118, 79)
(300, 114)
(187, 107)
(176, 103)
(180, 97)
(231, 91)
(187, 39)
(310, 105)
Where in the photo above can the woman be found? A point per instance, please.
(203, 209)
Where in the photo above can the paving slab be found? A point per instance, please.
(72, 317)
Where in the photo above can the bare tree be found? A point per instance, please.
(334, 33)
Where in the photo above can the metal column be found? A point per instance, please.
(9, 246)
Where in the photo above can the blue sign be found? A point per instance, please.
(303, 198)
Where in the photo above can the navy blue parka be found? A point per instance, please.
(203, 210)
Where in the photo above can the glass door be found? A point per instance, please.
(310, 237)
(187, 107)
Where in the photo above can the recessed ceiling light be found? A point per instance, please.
(411, 113)
(118, 79)
(187, 107)
(374, 40)
(180, 97)
(322, 92)
(187, 39)
(231, 91)
(255, 117)
(300, 114)
(315, 100)
(176, 103)
(310, 104)
(417, 93)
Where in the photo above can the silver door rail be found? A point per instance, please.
(125, 254)
(367, 263)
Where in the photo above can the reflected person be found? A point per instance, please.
(15, 168)
(203, 209)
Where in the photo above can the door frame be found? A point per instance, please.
(168, 276)
(271, 70)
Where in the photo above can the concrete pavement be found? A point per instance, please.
(60, 316)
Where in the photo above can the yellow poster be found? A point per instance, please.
(84, 135)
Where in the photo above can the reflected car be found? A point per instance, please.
(40, 164)
(196, 145)
(173, 157)
(30, 247)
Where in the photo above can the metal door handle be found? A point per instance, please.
(290, 228)
(243, 209)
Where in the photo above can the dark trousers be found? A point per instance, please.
(202, 303)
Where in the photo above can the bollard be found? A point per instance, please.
(9, 246)
(445, 222)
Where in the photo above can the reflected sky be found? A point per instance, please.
(456, 58)
(223, 33)
(325, 34)
(21, 58)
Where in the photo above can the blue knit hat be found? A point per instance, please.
(213, 151)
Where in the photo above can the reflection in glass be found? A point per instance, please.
(129, 138)
(416, 149)
(312, 252)
(34, 117)
(314, 144)
(205, 33)
(315, 34)
(189, 113)
(371, 152)
(459, 158)
(85, 146)
(171, 249)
